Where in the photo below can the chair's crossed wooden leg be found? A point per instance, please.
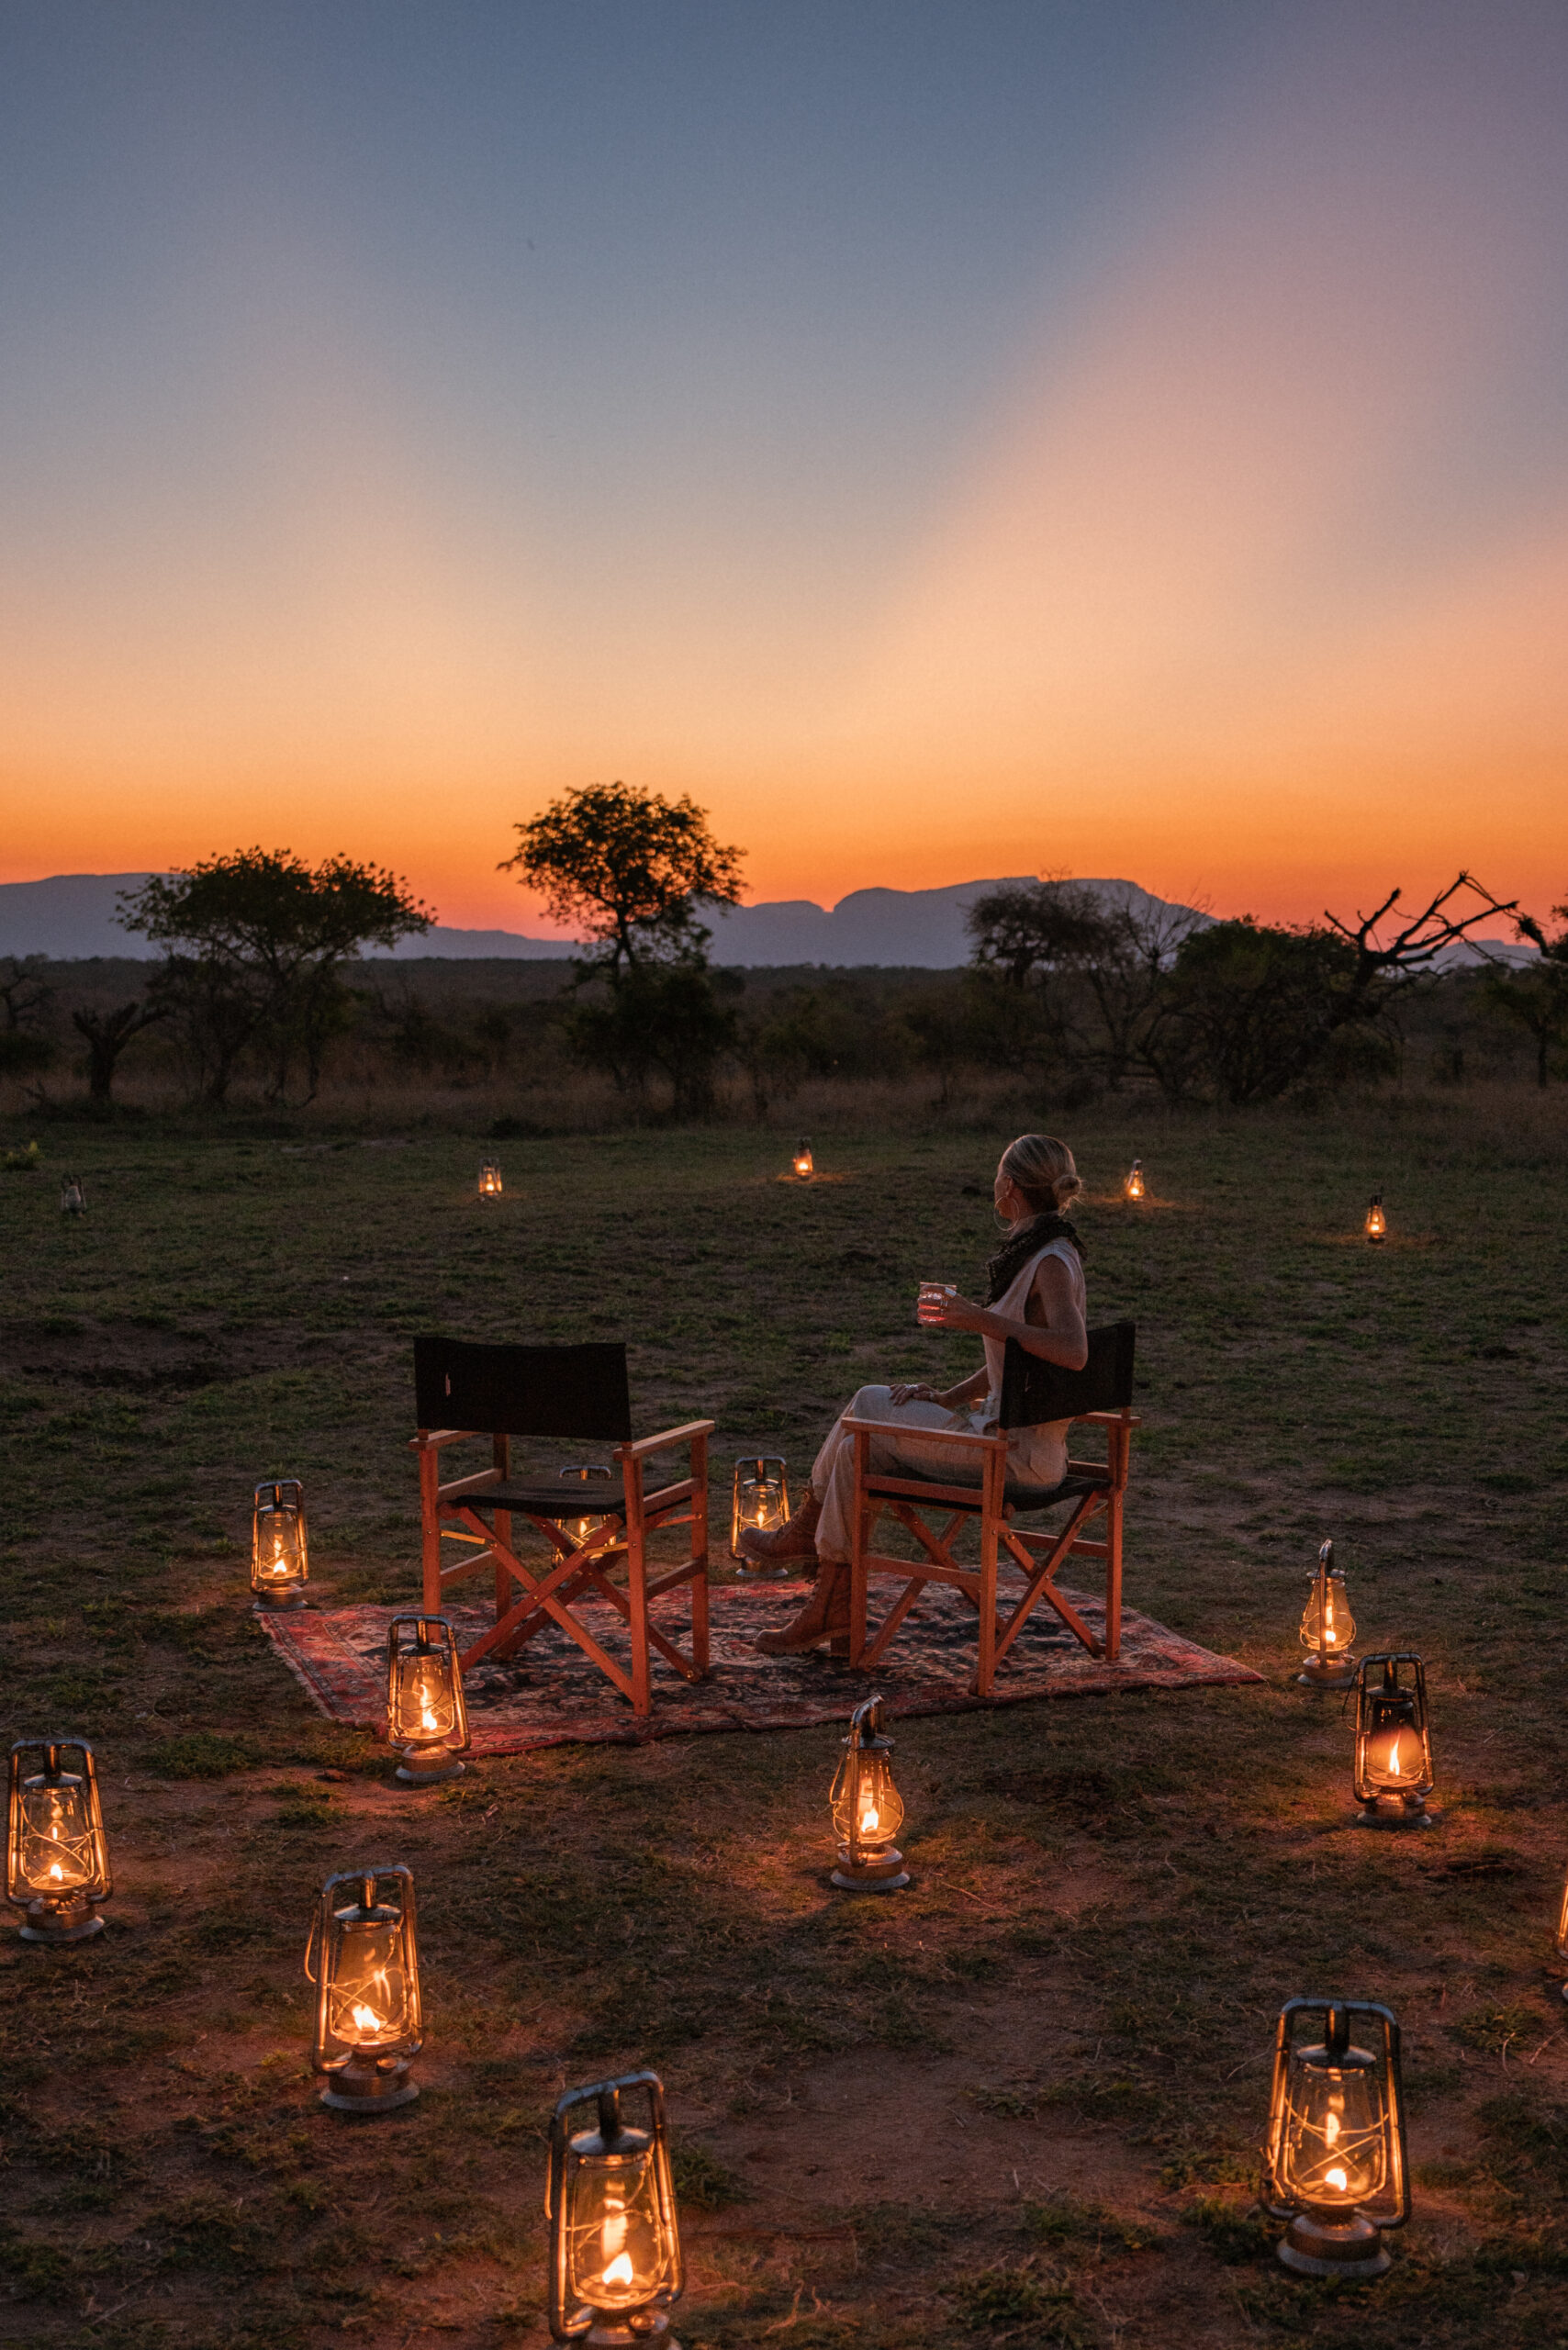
(1041, 1582)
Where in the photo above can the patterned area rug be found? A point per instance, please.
(552, 1696)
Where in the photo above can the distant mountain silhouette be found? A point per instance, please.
(72, 915)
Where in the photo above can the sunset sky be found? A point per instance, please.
(946, 439)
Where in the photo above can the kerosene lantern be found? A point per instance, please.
(57, 1860)
(363, 1961)
(1336, 2161)
(280, 1560)
(426, 1715)
(868, 1809)
(802, 1162)
(1134, 1186)
(615, 2265)
(578, 1530)
(1562, 1931)
(490, 1179)
(760, 1504)
(1377, 1223)
(1394, 1746)
(1328, 1628)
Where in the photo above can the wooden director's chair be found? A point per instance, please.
(1032, 1392)
(463, 1390)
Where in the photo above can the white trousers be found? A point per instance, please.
(832, 1474)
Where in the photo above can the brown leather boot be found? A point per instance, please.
(797, 1539)
(825, 1616)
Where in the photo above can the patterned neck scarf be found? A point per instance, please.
(1015, 1251)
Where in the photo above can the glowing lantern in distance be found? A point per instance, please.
(1394, 1746)
(1327, 1628)
(57, 1859)
(615, 2265)
(426, 1715)
(1134, 1186)
(802, 1162)
(1336, 2161)
(280, 1559)
(363, 1962)
(1562, 1931)
(490, 1179)
(868, 1810)
(761, 1501)
(1377, 1223)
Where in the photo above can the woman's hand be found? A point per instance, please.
(917, 1394)
(954, 1313)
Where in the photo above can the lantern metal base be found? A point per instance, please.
(880, 1873)
(1322, 1673)
(630, 2332)
(765, 1571)
(66, 1921)
(369, 2088)
(1396, 1814)
(427, 1766)
(1317, 2246)
(283, 1605)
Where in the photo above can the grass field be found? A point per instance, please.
(1017, 2104)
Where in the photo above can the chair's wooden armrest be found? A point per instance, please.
(906, 1434)
(1111, 1419)
(665, 1440)
(432, 1439)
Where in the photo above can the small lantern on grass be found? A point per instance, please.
(57, 1860)
(578, 1530)
(426, 1715)
(490, 1179)
(1134, 1186)
(280, 1559)
(868, 1809)
(1394, 1746)
(1562, 1931)
(802, 1162)
(761, 1502)
(1328, 1628)
(1377, 1223)
(615, 2265)
(363, 1962)
(1336, 2162)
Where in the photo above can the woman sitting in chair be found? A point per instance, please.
(1036, 1296)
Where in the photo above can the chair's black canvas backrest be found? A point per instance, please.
(522, 1391)
(1032, 1391)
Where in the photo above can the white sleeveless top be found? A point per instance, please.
(1036, 1456)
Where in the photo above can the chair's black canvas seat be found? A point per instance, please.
(596, 1499)
(1026, 1497)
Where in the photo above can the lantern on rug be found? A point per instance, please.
(1134, 1186)
(1327, 1628)
(426, 1715)
(490, 1179)
(578, 1530)
(57, 1860)
(280, 1562)
(868, 1809)
(761, 1502)
(1336, 2160)
(363, 1959)
(615, 2265)
(1394, 1746)
(1377, 1223)
(802, 1162)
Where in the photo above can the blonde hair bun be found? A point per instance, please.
(1043, 1171)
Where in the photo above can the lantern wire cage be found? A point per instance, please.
(1328, 1628)
(1393, 1775)
(57, 1856)
(490, 1185)
(280, 1550)
(760, 1502)
(868, 1809)
(615, 2257)
(426, 1718)
(1376, 1226)
(1134, 1186)
(801, 1161)
(361, 1959)
(1336, 2164)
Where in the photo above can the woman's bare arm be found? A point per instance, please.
(1060, 1337)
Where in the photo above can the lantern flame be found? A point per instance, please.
(619, 2270)
(365, 2019)
(871, 1820)
(1337, 2178)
